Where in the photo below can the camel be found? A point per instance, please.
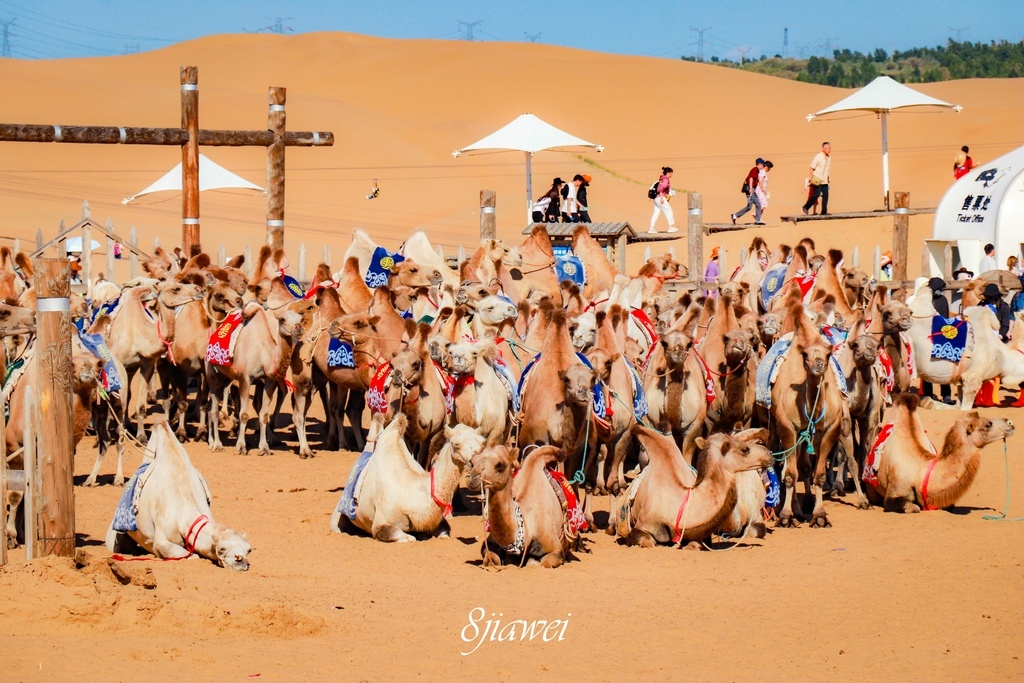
(651, 278)
(891, 320)
(807, 411)
(479, 397)
(727, 352)
(538, 265)
(109, 432)
(16, 317)
(676, 387)
(85, 375)
(600, 271)
(417, 248)
(15, 274)
(491, 314)
(173, 518)
(668, 503)
(418, 390)
(262, 352)
(139, 336)
(866, 388)
(584, 331)
(848, 295)
(160, 265)
(524, 514)
(397, 498)
(493, 262)
(752, 270)
(912, 477)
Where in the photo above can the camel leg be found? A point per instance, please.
(552, 560)
(167, 550)
(213, 436)
(142, 397)
(828, 442)
(787, 436)
(602, 460)
(900, 504)
(202, 398)
(854, 471)
(266, 412)
(354, 408)
(383, 530)
(444, 530)
(491, 559)
(640, 538)
(12, 503)
(300, 404)
(968, 392)
(243, 413)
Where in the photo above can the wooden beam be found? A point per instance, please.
(851, 214)
(488, 217)
(133, 135)
(695, 236)
(275, 168)
(54, 418)
(190, 240)
(901, 236)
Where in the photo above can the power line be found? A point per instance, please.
(469, 26)
(785, 42)
(743, 51)
(277, 26)
(700, 41)
(828, 46)
(5, 50)
(532, 37)
(959, 31)
(803, 48)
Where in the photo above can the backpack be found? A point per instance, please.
(1017, 303)
(652, 191)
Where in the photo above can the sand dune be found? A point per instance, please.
(398, 109)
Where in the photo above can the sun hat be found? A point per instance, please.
(937, 284)
(587, 178)
(992, 290)
(714, 253)
(557, 181)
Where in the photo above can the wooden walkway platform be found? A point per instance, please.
(800, 218)
(712, 228)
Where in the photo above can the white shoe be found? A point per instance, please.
(652, 231)
(673, 230)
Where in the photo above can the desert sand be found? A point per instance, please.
(876, 597)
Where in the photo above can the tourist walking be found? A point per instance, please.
(749, 188)
(963, 163)
(988, 261)
(821, 167)
(762, 189)
(711, 272)
(545, 209)
(582, 208)
(663, 193)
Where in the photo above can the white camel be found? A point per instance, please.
(172, 510)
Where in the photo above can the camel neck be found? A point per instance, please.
(446, 476)
(501, 516)
(165, 314)
(712, 499)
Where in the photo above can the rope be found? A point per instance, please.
(1001, 517)
(806, 436)
(579, 477)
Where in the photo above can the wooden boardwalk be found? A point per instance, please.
(800, 218)
(712, 228)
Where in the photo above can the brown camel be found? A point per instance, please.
(668, 503)
(727, 352)
(807, 411)
(538, 269)
(479, 397)
(600, 271)
(418, 390)
(493, 262)
(866, 388)
(912, 477)
(524, 515)
(891, 321)
(752, 270)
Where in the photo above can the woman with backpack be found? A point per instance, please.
(662, 192)
(545, 209)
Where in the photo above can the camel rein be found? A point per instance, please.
(1001, 517)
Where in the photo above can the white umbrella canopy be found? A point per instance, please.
(212, 176)
(74, 245)
(882, 96)
(527, 134)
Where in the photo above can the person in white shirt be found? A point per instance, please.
(988, 261)
(821, 168)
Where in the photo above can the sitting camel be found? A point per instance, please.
(396, 498)
(173, 518)
(911, 476)
(668, 503)
(524, 515)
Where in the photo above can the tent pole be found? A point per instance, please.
(885, 160)
(529, 188)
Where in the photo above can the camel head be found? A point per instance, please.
(172, 294)
(769, 325)
(663, 266)
(494, 310)
(865, 350)
(472, 292)
(739, 344)
(676, 346)
(412, 274)
(663, 311)
(407, 368)
(583, 331)
(509, 256)
(465, 444)
(87, 372)
(231, 547)
(815, 356)
(16, 316)
(896, 317)
(737, 291)
(294, 318)
(732, 454)
(463, 355)
(439, 352)
(160, 265)
(222, 299)
(359, 327)
(578, 381)
(855, 279)
(492, 468)
(603, 362)
(980, 431)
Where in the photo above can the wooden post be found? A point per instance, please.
(156, 243)
(723, 266)
(87, 260)
(695, 236)
(190, 161)
(248, 266)
(947, 262)
(620, 251)
(111, 261)
(926, 262)
(28, 425)
(301, 270)
(133, 258)
(901, 237)
(222, 256)
(440, 252)
(39, 238)
(744, 255)
(647, 254)
(876, 267)
(460, 255)
(488, 219)
(58, 247)
(16, 247)
(56, 439)
(275, 170)
(325, 257)
(855, 257)
(3, 479)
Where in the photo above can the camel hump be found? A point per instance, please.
(539, 231)
(544, 456)
(907, 400)
(835, 256)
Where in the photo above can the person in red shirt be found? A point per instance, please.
(963, 163)
(749, 187)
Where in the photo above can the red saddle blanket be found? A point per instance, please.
(218, 351)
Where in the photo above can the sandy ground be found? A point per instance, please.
(875, 597)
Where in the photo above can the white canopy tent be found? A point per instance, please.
(212, 176)
(527, 134)
(986, 206)
(882, 96)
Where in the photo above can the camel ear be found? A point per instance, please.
(616, 357)
(701, 442)
(513, 457)
(374, 320)
(561, 375)
(448, 432)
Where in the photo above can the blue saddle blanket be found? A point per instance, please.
(380, 267)
(570, 267)
(639, 397)
(124, 515)
(340, 354)
(766, 372)
(509, 380)
(97, 346)
(106, 308)
(772, 283)
(949, 338)
(347, 504)
(773, 489)
(293, 286)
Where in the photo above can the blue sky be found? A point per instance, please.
(63, 28)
